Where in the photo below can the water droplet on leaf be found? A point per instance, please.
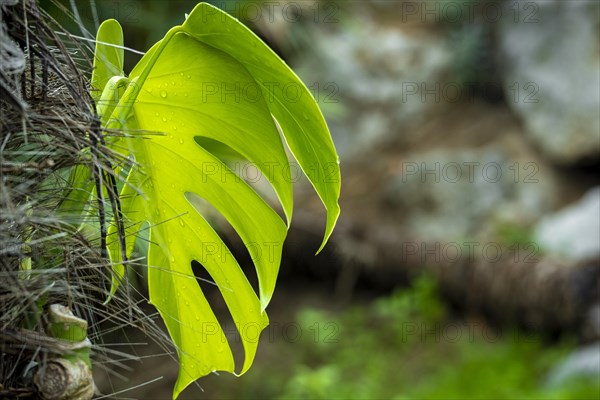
(163, 94)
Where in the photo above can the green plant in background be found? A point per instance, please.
(407, 346)
(511, 233)
(166, 117)
(416, 351)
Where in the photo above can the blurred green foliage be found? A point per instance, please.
(406, 346)
(144, 21)
(510, 233)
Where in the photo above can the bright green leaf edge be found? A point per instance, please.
(108, 56)
(301, 120)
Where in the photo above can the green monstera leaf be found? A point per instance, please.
(210, 80)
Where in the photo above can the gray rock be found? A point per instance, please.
(573, 232)
(549, 52)
(461, 193)
(584, 361)
(382, 73)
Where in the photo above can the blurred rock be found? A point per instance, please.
(452, 194)
(573, 232)
(387, 75)
(583, 362)
(550, 63)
